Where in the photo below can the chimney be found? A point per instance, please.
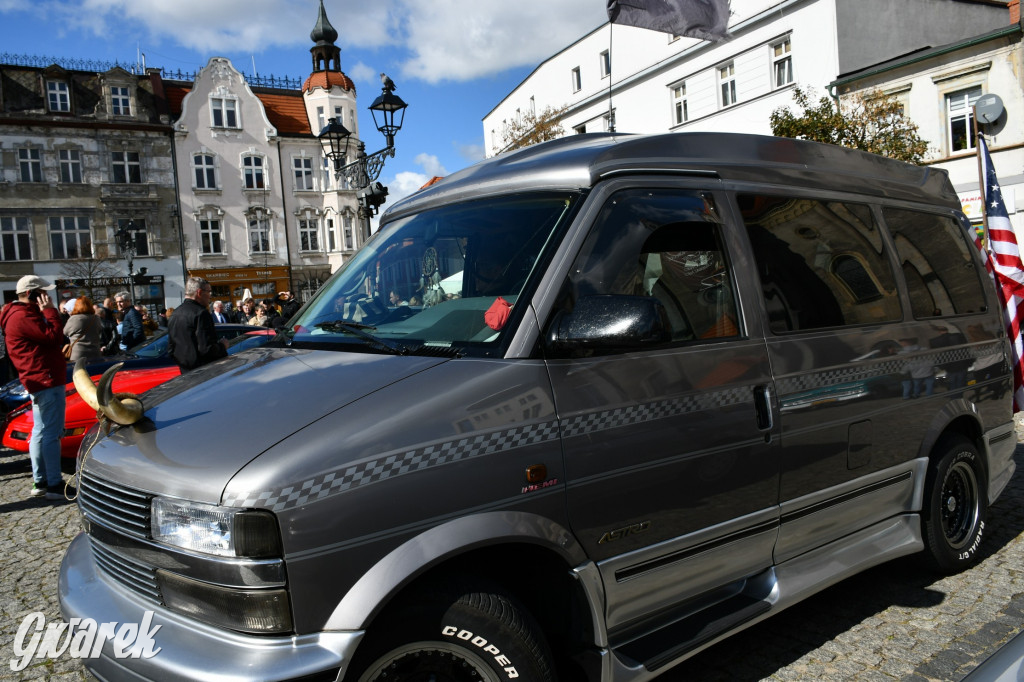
(1014, 11)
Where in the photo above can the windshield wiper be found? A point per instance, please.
(359, 329)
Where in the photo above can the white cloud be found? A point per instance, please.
(453, 40)
(462, 40)
(431, 165)
(472, 152)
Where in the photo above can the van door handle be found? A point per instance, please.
(763, 407)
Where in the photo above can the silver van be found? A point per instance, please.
(577, 413)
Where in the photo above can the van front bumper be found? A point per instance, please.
(187, 649)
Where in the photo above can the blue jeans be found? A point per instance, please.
(47, 427)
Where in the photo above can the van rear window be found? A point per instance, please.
(937, 263)
(821, 263)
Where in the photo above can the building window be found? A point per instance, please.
(606, 63)
(782, 63)
(70, 165)
(577, 81)
(138, 234)
(205, 171)
(70, 238)
(309, 235)
(348, 233)
(303, 168)
(327, 173)
(332, 234)
(58, 96)
(223, 112)
(252, 172)
(581, 129)
(15, 239)
(727, 84)
(259, 234)
(210, 236)
(31, 165)
(960, 119)
(126, 167)
(321, 119)
(120, 101)
(680, 108)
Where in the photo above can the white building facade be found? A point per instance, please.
(649, 82)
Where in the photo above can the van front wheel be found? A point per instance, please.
(471, 637)
(954, 508)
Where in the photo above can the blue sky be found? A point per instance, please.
(452, 60)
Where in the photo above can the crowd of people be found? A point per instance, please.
(38, 337)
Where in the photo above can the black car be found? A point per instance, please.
(150, 353)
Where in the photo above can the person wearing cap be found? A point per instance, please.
(35, 335)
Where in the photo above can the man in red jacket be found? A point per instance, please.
(35, 336)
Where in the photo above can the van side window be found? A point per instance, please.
(821, 263)
(666, 244)
(937, 263)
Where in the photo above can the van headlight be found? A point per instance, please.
(222, 531)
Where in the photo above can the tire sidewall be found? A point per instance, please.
(942, 554)
(455, 627)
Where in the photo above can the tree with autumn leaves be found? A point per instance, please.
(531, 128)
(869, 121)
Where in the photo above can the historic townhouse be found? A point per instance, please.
(83, 153)
(261, 211)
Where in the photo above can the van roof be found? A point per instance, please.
(581, 161)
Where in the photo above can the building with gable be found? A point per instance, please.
(84, 151)
(261, 210)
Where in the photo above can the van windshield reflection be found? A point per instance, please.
(447, 278)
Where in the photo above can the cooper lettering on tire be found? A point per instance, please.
(955, 506)
(455, 635)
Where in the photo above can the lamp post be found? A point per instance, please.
(362, 173)
(126, 245)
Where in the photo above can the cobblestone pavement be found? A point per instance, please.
(893, 622)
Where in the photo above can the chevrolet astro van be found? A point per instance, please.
(574, 413)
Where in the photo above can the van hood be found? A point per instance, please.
(200, 428)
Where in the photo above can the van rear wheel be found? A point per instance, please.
(955, 508)
(456, 637)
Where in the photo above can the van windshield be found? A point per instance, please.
(446, 278)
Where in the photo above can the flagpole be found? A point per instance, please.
(981, 180)
(611, 58)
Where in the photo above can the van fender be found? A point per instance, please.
(416, 555)
(946, 415)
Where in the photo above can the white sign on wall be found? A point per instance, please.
(971, 202)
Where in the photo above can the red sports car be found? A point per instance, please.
(79, 417)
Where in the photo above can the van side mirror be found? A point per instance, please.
(611, 323)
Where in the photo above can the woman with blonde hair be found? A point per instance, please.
(84, 329)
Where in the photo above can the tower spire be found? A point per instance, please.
(326, 55)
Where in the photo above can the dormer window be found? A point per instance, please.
(120, 101)
(223, 112)
(58, 96)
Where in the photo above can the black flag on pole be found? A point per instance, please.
(703, 19)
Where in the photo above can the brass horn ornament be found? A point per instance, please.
(120, 408)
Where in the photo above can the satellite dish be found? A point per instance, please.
(988, 108)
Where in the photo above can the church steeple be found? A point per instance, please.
(326, 55)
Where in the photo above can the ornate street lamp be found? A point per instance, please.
(129, 249)
(362, 173)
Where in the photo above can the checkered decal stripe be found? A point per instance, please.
(395, 464)
(637, 414)
(895, 365)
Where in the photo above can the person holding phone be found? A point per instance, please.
(34, 333)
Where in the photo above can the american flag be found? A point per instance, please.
(1005, 265)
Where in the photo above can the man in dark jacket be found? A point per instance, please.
(34, 335)
(191, 336)
(289, 306)
(132, 331)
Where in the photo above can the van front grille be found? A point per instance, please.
(115, 507)
(134, 575)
